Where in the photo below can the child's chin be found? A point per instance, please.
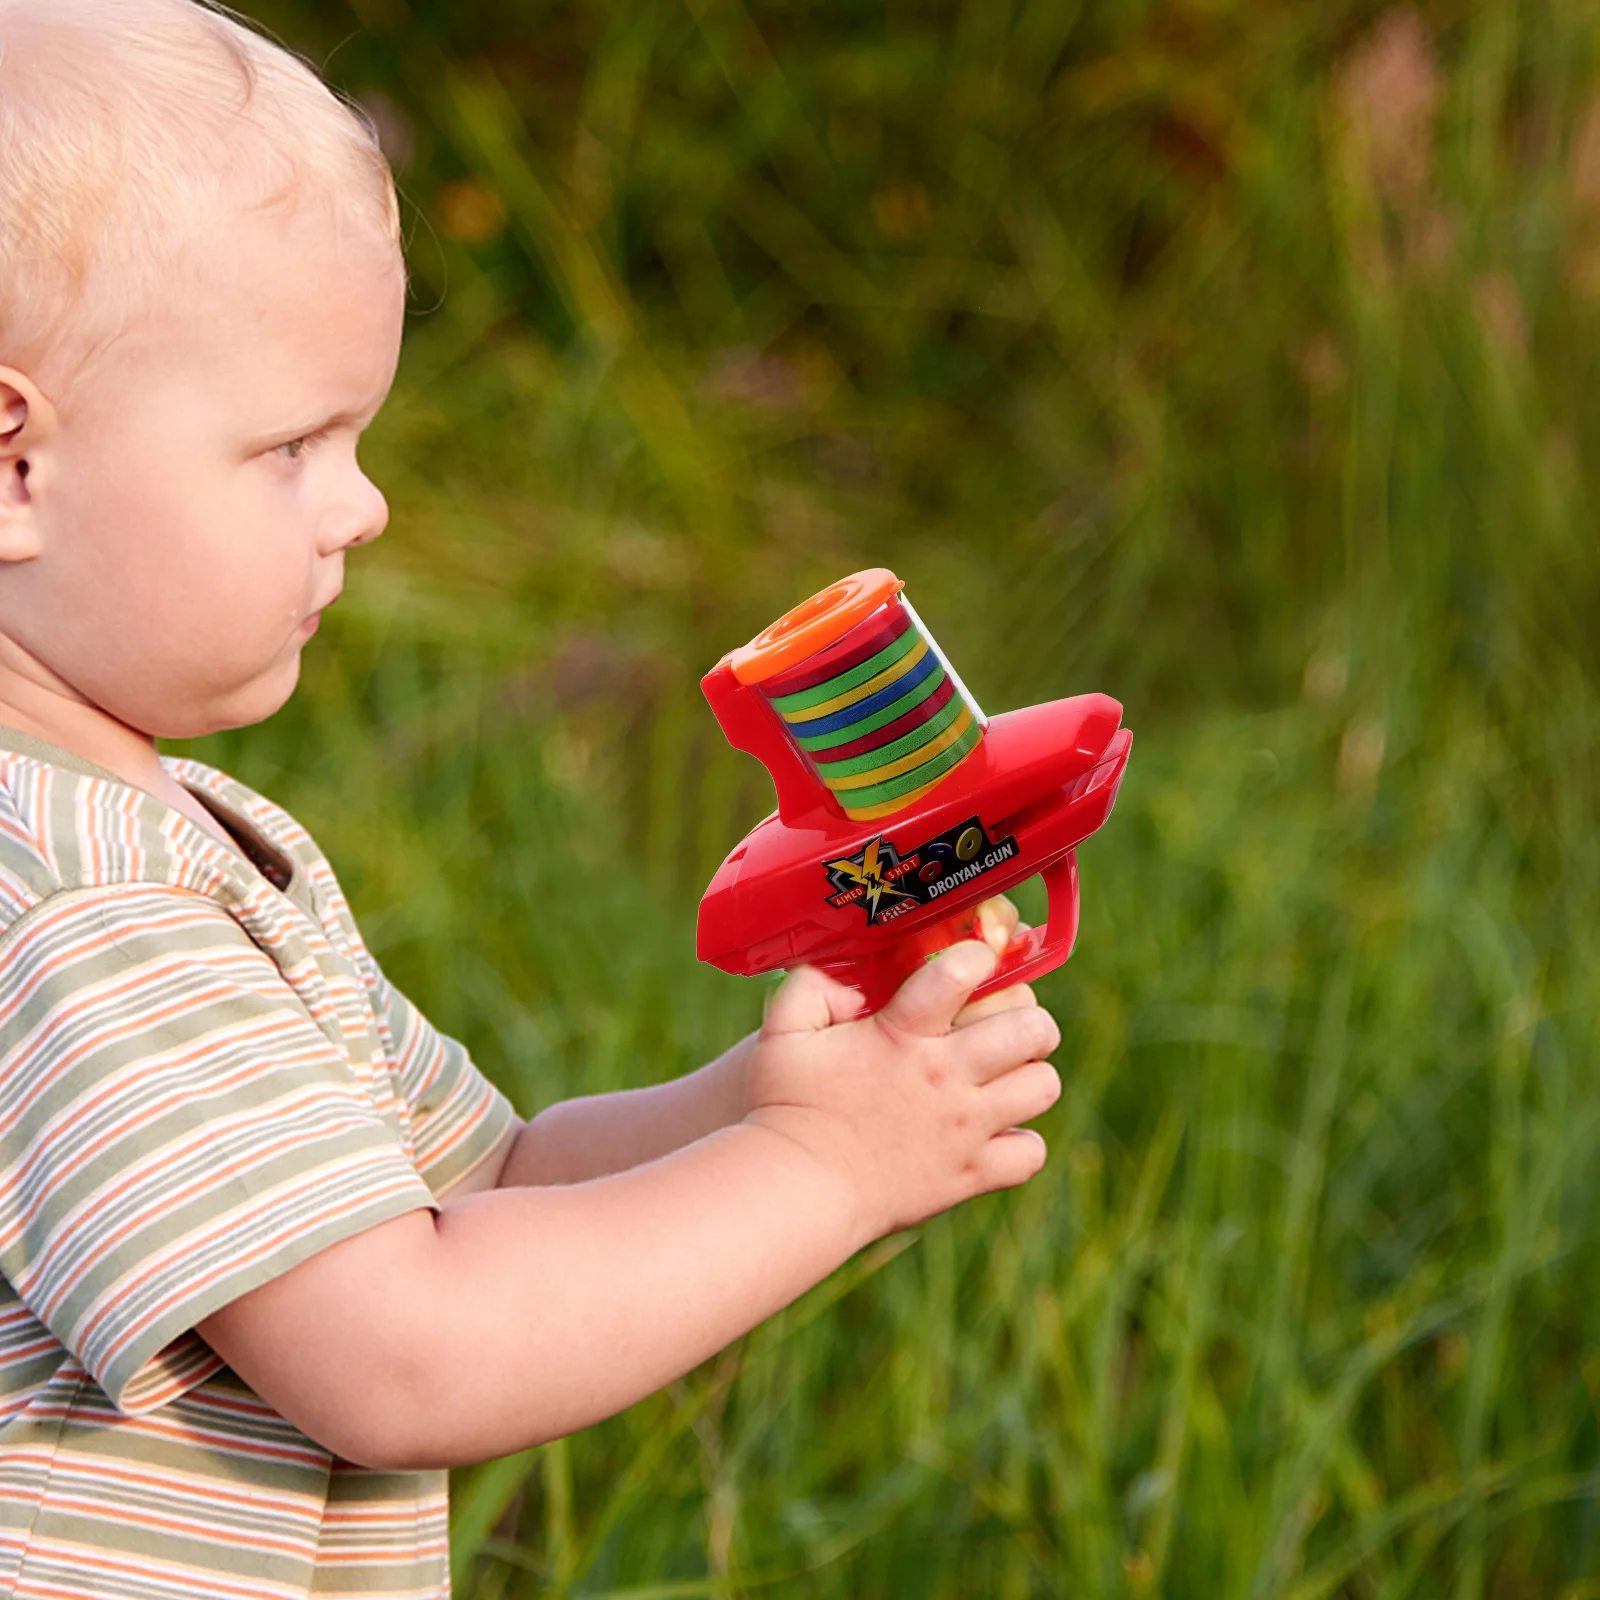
(252, 703)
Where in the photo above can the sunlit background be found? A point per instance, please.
(1237, 360)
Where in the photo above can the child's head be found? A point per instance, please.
(129, 131)
(199, 268)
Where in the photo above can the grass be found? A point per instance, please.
(1235, 363)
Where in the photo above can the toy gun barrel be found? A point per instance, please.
(900, 805)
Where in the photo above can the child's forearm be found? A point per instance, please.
(576, 1140)
(522, 1314)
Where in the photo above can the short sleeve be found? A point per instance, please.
(176, 1129)
(457, 1116)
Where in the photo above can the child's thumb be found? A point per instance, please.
(807, 1001)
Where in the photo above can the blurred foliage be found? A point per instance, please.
(1233, 359)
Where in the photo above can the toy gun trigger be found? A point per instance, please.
(1041, 950)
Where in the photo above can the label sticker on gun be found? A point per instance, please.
(888, 885)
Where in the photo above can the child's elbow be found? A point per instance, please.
(407, 1409)
(354, 1420)
(390, 1414)
(401, 1439)
(344, 1347)
(380, 1442)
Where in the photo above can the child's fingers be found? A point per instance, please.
(997, 1045)
(927, 1002)
(1023, 1094)
(1010, 998)
(997, 923)
(1011, 1158)
(807, 1001)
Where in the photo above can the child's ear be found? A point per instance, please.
(27, 423)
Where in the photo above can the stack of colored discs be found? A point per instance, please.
(876, 714)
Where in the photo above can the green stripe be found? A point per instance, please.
(871, 760)
(870, 668)
(916, 778)
(879, 719)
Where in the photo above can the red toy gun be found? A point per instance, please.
(900, 805)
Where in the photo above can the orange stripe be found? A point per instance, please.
(89, 1558)
(144, 1517)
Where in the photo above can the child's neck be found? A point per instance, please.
(92, 735)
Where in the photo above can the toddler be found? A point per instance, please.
(273, 1253)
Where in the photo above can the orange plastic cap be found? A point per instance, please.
(814, 624)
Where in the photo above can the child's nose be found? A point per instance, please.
(361, 520)
(377, 513)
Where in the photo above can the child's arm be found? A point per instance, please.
(588, 1137)
(517, 1316)
(593, 1135)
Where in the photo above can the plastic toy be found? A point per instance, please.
(900, 805)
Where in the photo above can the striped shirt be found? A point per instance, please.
(204, 1079)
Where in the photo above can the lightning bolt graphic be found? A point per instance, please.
(869, 874)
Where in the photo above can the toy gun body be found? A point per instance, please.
(877, 858)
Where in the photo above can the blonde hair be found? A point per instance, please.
(128, 129)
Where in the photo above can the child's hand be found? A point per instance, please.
(909, 1113)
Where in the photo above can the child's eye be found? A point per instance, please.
(294, 449)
